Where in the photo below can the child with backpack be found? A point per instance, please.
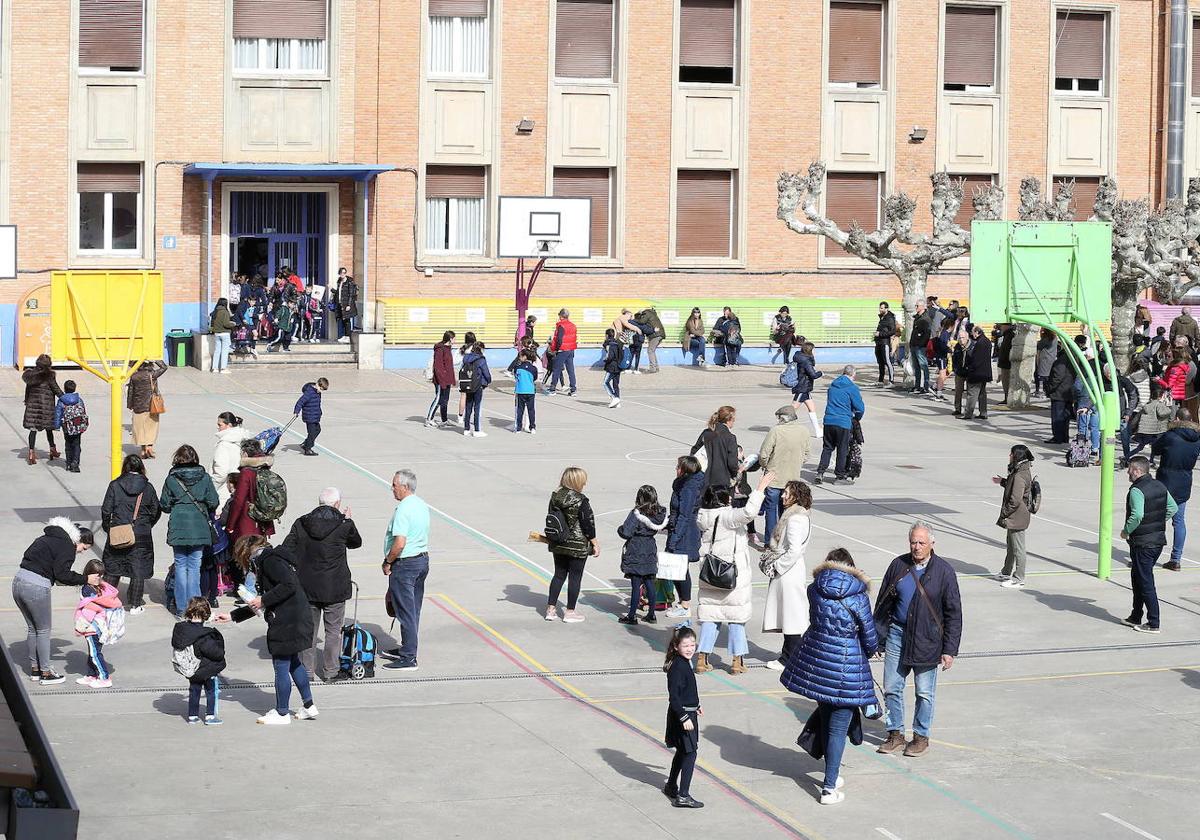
(614, 357)
(70, 415)
(525, 389)
(639, 557)
(95, 598)
(198, 654)
(806, 377)
(308, 409)
(473, 379)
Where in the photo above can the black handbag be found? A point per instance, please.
(716, 571)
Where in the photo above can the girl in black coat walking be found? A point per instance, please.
(289, 622)
(639, 558)
(130, 500)
(683, 717)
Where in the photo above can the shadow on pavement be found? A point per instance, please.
(632, 769)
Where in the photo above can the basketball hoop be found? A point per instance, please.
(546, 248)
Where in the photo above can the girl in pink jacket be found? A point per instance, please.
(95, 597)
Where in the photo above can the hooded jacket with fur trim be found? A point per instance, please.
(52, 554)
(640, 555)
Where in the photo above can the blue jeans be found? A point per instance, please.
(1179, 537)
(895, 678)
(737, 637)
(187, 574)
(772, 510)
(220, 356)
(407, 587)
(212, 695)
(920, 366)
(835, 741)
(1088, 425)
(612, 384)
(697, 347)
(287, 670)
(563, 359)
(474, 406)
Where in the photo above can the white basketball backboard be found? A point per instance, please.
(541, 227)
(8, 252)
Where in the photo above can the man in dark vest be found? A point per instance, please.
(1147, 509)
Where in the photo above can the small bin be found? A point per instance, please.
(179, 348)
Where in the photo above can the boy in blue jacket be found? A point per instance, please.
(526, 374)
(70, 415)
(308, 409)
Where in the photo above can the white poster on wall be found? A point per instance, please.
(831, 319)
(8, 252)
(418, 315)
(593, 316)
(475, 315)
(540, 314)
(669, 319)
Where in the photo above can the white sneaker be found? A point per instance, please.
(468, 433)
(99, 683)
(306, 713)
(135, 611)
(429, 424)
(615, 403)
(1013, 583)
(775, 665)
(273, 718)
(85, 681)
(551, 614)
(512, 427)
(531, 431)
(481, 434)
(460, 419)
(572, 617)
(832, 797)
(677, 612)
(343, 340)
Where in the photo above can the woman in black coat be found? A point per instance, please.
(683, 534)
(720, 447)
(131, 500)
(289, 622)
(41, 396)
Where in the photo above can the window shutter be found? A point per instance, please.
(458, 8)
(966, 210)
(583, 39)
(852, 197)
(304, 19)
(1079, 46)
(110, 33)
(707, 30)
(703, 217)
(1195, 57)
(855, 42)
(593, 184)
(109, 177)
(1084, 198)
(970, 57)
(455, 182)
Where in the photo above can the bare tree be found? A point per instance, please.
(911, 256)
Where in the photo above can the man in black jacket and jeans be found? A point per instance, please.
(1060, 385)
(1148, 506)
(319, 541)
(883, 342)
(919, 614)
(922, 331)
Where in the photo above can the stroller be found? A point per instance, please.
(358, 647)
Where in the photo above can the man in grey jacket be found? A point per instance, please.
(783, 453)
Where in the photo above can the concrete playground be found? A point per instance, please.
(1056, 721)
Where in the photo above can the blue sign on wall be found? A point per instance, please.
(168, 243)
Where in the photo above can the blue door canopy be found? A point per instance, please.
(357, 171)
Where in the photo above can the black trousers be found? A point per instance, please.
(790, 643)
(1060, 421)
(441, 401)
(569, 569)
(314, 429)
(525, 404)
(682, 766)
(135, 597)
(834, 438)
(684, 587)
(883, 358)
(72, 447)
(33, 438)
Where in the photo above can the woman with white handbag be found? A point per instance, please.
(786, 610)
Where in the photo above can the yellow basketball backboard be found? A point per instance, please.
(106, 318)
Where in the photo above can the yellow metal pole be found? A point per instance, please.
(114, 384)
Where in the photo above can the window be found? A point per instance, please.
(110, 35)
(856, 45)
(705, 214)
(110, 203)
(969, 59)
(852, 198)
(708, 36)
(966, 210)
(1080, 47)
(279, 36)
(1083, 201)
(595, 184)
(1195, 57)
(454, 212)
(583, 39)
(458, 37)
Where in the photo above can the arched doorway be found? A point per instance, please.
(33, 326)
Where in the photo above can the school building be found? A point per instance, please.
(207, 137)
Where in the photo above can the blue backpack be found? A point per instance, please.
(789, 376)
(625, 360)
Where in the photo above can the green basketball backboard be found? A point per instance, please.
(1050, 271)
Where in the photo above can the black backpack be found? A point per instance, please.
(470, 380)
(1034, 500)
(556, 527)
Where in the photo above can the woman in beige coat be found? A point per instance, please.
(141, 387)
(723, 533)
(786, 610)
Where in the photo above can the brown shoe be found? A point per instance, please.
(895, 741)
(31, 458)
(738, 666)
(54, 454)
(917, 746)
(702, 666)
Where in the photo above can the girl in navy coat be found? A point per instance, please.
(683, 534)
(831, 664)
(683, 717)
(639, 558)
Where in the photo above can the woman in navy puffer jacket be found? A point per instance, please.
(831, 664)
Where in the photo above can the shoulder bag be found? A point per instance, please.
(212, 529)
(928, 603)
(716, 571)
(157, 406)
(122, 536)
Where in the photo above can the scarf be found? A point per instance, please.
(773, 555)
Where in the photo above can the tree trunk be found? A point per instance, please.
(1122, 330)
(1024, 359)
(913, 285)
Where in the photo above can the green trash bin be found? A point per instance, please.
(179, 348)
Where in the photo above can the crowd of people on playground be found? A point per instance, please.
(279, 313)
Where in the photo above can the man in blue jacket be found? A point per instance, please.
(308, 409)
(843, 405)
(918, 617)
(1177, 450)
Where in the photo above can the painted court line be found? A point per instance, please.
(1130, 826)
(886, 833)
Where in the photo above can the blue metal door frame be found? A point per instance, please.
(294, 225)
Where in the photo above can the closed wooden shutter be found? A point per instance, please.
(455, 182)
(304, 19)
(583, 41)
(1079, 45)
(109, 177)
(1084, 197)
(852, 197)
(110, 33)
(856, 43)
(1195, 57)
(593, 184)
(458, 8)
(966, 210)
(707, 33)
(703, 213)
(970, 54)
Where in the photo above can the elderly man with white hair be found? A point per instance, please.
(919, 614)
(406, 564)
(319, 541)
